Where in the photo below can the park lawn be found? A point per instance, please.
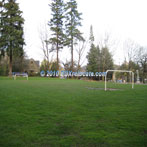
(59, 112)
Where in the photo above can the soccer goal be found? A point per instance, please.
(20, 75)
(121, 71)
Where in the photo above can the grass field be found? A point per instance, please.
(54, 112)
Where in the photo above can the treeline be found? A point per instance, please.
(99, 57)
(135, 60)
(64, 27)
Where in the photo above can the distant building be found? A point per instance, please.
(32, 67)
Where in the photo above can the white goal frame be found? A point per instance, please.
(20, 75)
(132, 74)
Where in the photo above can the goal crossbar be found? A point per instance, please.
(119, 71)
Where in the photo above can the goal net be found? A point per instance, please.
(114, 78)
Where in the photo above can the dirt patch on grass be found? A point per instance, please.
(109, 89)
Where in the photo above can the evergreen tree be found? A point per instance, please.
(98, 60)
(93, 55)
(11, 31)
(91, 38)
(93, 58)
(106, 59)
(56, 26)
(73, 18)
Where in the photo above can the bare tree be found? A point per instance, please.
(130, 50)
(80, 51)
(45, 46)
(108, 41)
(136, 55)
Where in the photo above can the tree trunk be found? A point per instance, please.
(72, 54)
(57, 60)
(103, 69)
(10, 63)
(72, 59)
(57, 47)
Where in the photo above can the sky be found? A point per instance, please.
(119, 19)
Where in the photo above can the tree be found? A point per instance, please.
(137, 58)
(54, 66)
(93, 58)
(80, 51)
(56, 26)
(11, 40)
(73, 18)
(94, 55)
(44, 37)
(67, 66)
(45, 66)
(130, 50)
(4, 66)
(91, 38)
(131, 66)
(106, 59)
(141, 59)
(2, 50)
(19, 63)
(99, 59)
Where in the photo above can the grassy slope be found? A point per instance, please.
(53, 112)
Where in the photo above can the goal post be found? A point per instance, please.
(132, 74)
(20, 75)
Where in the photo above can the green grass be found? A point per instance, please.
(54, 112)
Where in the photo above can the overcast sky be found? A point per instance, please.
(122, 19)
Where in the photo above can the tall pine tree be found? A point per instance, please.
(11, 30)
(94, 55)
(91, 38)
(56, 26)
(73, 21)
